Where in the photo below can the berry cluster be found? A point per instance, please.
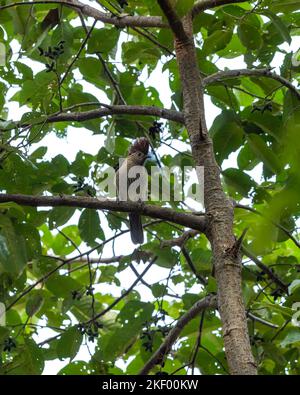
(9, 344)
(91, 330)
(123, 3)
(52, 53)
(155, 129)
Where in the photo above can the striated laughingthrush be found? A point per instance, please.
(137, 155)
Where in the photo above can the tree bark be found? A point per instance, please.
(219, 210)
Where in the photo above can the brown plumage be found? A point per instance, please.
(137, 155)
(141, 144)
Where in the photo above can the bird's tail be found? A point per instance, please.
(136, 228)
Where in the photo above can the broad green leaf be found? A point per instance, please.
(158, 290)
(249, 36)
(227, 135)
(294, 286)
(279, 24)
(247, 159)
(11, 205)
(69, 343)
(222, 97)
(103, 40)
(216, 41)
(62, 286)
(264, 153)
(29, 360)
(58, 216)
(34, 303)
(66, 241)
(92, 71)
(12, 259)
(285, 6)
(38, 153)
(4, 333)
(89, 227)
(76, 368)
(239, 181)
(184, 6)
(167, 257)
(268, 123)
(293, 337)
(141, 52)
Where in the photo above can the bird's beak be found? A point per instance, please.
(150, 156)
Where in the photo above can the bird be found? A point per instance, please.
(137, 155)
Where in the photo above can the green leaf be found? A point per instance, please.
(285, 6)
(58, 216)
(291, 338)
(66, 241)
(140, 52)
(268, 123)
(167, 257)
(61, 165)
(38, 153)
(238, 180)
(62, 286)
(34, 361)
(92, 71)
(227, 135)
(29, 360)
(247, 159)
(137, 310)
(76, 368)
(12, 259)
(294, 286)
(80, 167)
(184, 6)
(158, 290)
(216, 41)
(264, 153)
(11, 205)
(103, 40)
(34, 303)
(89, 227)
(249, 36)
(69, 343)
(279, 24)
(221, 95)
(4, 333)
(189, 299)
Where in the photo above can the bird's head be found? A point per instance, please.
(137, 158)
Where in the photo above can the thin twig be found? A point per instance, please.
(165, 347)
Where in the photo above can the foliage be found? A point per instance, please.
(51, 268)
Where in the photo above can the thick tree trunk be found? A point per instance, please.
(219, 210)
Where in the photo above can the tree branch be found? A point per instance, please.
(181, 218)
(208, 302)
(265, 269)
(174, 20)
(64, 262)
(124, 294)
(261, 320)
(219, 210)
(123, 21)
(223, 75)
(171, 115)
(202, 5)
(179, 241)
